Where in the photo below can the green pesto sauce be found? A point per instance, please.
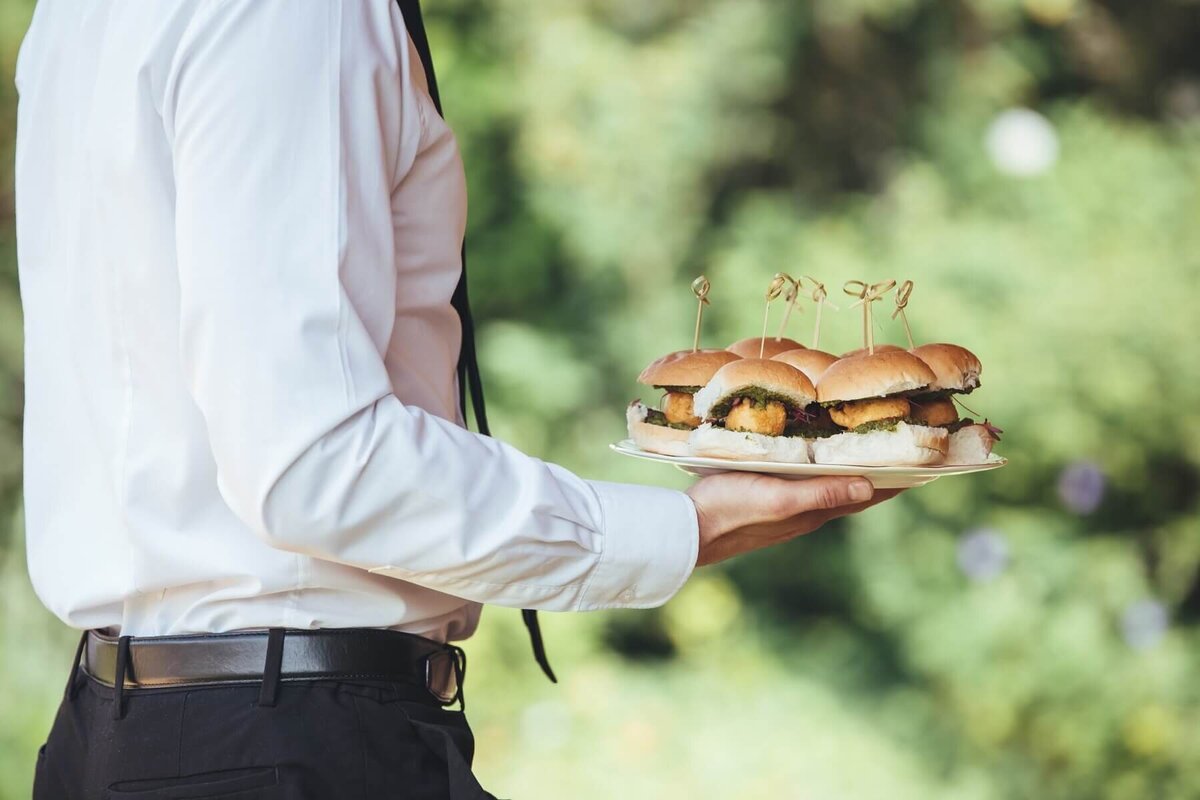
(656, 417)
(890, 425)
(878, 425)
(679, 389)
(759, 397)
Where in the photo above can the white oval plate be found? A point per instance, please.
(880, 477)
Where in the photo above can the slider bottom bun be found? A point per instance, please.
(907, 446)
(659, 439)
(970, 445)
(712, 442)
(655, 438)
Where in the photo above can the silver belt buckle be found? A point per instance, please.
(444, 674)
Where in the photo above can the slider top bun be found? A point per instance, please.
(748, 348)
(685, 368)
(762, 374)
(812, 363)
(860, 377)
(957, 369)
(879, 348)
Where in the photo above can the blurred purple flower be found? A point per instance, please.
(982, 554)
(1144, 624)
(1081, 487)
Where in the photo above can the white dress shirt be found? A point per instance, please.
(238, 229)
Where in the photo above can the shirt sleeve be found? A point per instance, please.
(277, 151)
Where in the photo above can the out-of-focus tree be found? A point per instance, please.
(1035, 168)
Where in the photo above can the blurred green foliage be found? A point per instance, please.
(1028, 633)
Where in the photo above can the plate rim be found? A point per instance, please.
(627, 447)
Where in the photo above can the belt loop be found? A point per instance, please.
(119, 681)
(71, 688)
(272, 668)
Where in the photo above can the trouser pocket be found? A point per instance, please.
(249, 783)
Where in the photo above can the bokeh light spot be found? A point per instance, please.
(1144, 624)
(982, 554)
(1081, 487)
(1022, 143)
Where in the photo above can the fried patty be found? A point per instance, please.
(768, 419)
(677, 407)
(935, 412)
(859, 412)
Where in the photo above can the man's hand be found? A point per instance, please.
(740, 511)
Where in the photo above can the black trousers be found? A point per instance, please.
(322, 740)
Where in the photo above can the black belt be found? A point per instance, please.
(269, 657)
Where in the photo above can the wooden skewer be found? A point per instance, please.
(867, 294)
(773, 291)
(792, 295)
(820, 297)
(700, 288)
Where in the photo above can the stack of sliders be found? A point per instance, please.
(813, 363)
(666, 429)
(956, 371)
(754, 409)
(890, 408)
(867, 397)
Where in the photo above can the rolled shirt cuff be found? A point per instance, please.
(651, 542)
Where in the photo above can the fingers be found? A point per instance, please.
(783, 498)
(878, 497)
(733, 500)
(809, 522)
(738, 513)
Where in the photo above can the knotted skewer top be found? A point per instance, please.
(902, 295)
(791, 295)
(774, 289)
(777, 285)
(868, 293)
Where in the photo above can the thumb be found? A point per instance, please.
(789, 498)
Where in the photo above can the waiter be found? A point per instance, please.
(247, 475)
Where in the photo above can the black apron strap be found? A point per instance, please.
(468, 364)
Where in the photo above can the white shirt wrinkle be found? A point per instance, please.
(241, 398)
